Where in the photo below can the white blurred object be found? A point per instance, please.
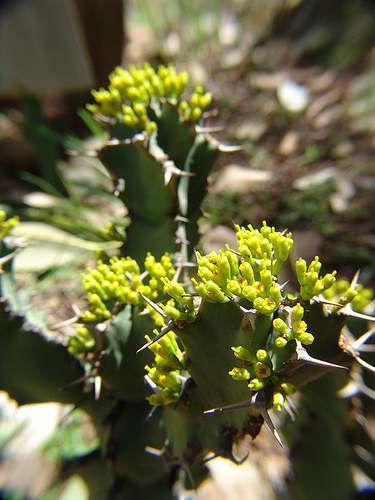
(293, 96)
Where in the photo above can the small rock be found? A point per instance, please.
(293, 96)
(340, 199)
(289, 143)
(315, 179)
(251, 129)
(241, 180)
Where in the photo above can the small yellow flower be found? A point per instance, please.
(262, 370)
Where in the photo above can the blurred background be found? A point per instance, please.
(292, 82)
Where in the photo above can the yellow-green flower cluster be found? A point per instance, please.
(311, 283)
(280, 393)
(178, 293)
(258, 372)
(131, 93)
(343, 292)
(120, 280)
(193, 110)
(6, 224)
(264, 293)
(296, 329)
(216, 271)
(82, 342)
(254, 278)
(266, 244)
(165, 372)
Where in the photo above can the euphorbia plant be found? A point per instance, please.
(184, 352)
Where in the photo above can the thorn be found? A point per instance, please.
(154, 306)
(75, 382)
(180, 218)
(364, 338)
(352, 314)
(239, 406)
(170, 170)
(262, 407)
(69, 321)
(355, 279)
(235, 252)
(9, 257)
(200, 130)
(140, 137)
(70, 152)
(97, 386)
(321, 300)
(171, 326)
(364, 364)
(223, 148)
(303, 355)
(283, 285)
(186, 383)
(249, 318)
(233, 224)
(291, 410)
(154, 451)
(150, 414)
(350, 390)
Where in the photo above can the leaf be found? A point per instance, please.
(49, 246)
(92, 124)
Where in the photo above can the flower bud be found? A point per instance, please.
(262, 370)
(301, 270)
(280, 326)
(174, 313)
(247, 272)
(280, 342)
(306, 338)
(288, 388)
(315, 265)
(239, 374)
(285, 246)
(263, 357)
(278, 401)
(256, 384)
(266, 279)
(329, 280)
(298, 312)
(299, 327)
(275, 293)
(224, 268)
(243, 354)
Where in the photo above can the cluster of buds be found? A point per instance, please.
(294, 328)
(178, 294)
(266, 244)
(6, 224)
(216, 271)
(132, 92)
(311, 284)
(192, 111)
(255, 279)
(121, 280)
(165, 376)
(81, 342)
(343, 292)
(258, 372)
